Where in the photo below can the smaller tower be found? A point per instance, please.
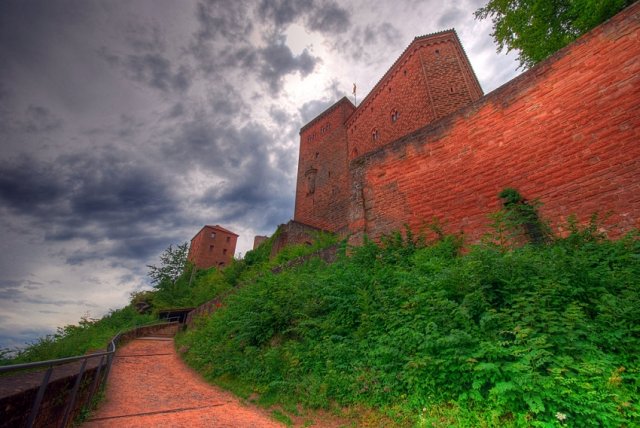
(212, 246)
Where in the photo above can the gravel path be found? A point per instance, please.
(149, 386)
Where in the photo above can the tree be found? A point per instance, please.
(173, 263)
(538, 28)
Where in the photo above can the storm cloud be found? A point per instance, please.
(126, 126)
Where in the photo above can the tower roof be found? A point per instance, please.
(417, 41)
(326, 112)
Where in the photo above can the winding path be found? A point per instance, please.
(149, 386)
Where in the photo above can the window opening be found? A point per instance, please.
(375, 135)
(394, 115)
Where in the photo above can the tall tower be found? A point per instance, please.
(322, 187)
(431, 79)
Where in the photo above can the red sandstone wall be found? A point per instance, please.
(431, 79)
(566, 132)
(323, 160)
(206, 251)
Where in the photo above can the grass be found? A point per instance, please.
(425, 334)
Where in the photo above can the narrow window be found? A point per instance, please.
(375, 135)
(394, 115)
(224, 251)
(228, 238)
(210, 248)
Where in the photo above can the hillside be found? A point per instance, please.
(428, 333)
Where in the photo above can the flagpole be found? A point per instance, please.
(355, 98)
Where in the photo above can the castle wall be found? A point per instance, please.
(322, 190)
(566, 132)
(431, 79)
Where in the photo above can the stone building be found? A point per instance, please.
(212, 246)
(426, 143)
(431, 79)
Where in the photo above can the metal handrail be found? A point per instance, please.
(46, 363)
(97, 382)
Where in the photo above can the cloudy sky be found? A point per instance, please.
(126, 125)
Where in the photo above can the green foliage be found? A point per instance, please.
(538, 28)
(540, 335)
(190, 290)
(320, 240)
(88, 335)
(173, 265)
(518, 222)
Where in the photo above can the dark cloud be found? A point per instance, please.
(151, 68)
(10, 290)
(278, 61)
(313, 108)
(367, 42)
(283, 12)
(248, 186)
(280, 116)
(329, 18)
(226, 103)
(40, 119)
(384, 33)
(452, 17)
(29, 190)
(223, 42)
(176, 111)
(103, 197)
(229, 20)
(145, 38)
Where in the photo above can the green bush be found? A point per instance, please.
(87, 335)
(535, 335)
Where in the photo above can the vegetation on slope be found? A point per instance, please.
(71, 340)
(498, 334)
(176, 285)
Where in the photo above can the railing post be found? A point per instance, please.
(96, 379)
(36, 404)
(100, 379)
(110, 360)
(74, 392)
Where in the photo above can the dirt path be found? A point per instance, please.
(149, 386)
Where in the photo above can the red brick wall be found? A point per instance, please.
(431, 79)
(206, 251)
(566, 132)
(323, 159)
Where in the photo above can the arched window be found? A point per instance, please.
(375, 135)
(394, 115)
(311, 180)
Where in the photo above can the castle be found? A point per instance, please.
(426, 143)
